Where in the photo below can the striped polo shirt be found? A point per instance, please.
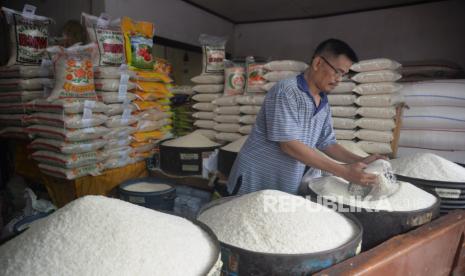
(288, 113)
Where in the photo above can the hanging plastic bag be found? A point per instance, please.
(234, 78)
(138, 43)
(28, 35)
(255, 72)
(214, 53)
(107, 35)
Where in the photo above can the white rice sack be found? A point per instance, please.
(119, 132)
(209, 107)
(14, 120)
(118, 143)
(245, 129)
(377, 88)
(146, 125)
(275, 76)
(434, 93)
(342, 99)
(67, 106)
(208, 88)
(120, 152)
(115, 97)
(120, 121)
(377, 76)
(434, 117)
(67, 147)
(213, 54)
(344, 123)
(104, 72)
(344, 111)
(25, 72)
(344, 134)
(74, 76)
(286, 65)
(154, 115)
(208, 79)
(248, 119)
(28, 37)
(224, 127)
(375, 147)
(344, 87)
(113, 163)
(375, 135)
(250, 100)
(14, 133)
(208, 124)
(268, 86)
(250, 109)
(228, 110)
(204, 115)
(210, 134)
(71, 135)
(228, 137)
(377, 112)
(109, 38)
(20, 96)
(234, 79)
(8, 85)
(376, 124)
(233, 119)
(111, 85)
(118, 109)
(430, 139)
(375, 65)
(254, 75)
(225, 101)
(68, 161)
(205, 97)
(67, 120)
(71, 174)
(11, 108)
(382, 100)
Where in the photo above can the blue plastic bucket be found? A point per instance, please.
(157, 200)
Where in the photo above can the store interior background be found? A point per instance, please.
(432, 30)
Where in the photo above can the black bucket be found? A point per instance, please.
(183, 161)
(381, 225)
(226, 161)
(238, 261)
(452, 194)
(160, 200)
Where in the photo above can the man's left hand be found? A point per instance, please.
(371, 158)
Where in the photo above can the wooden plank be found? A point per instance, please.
(396, 133)
(436, 248)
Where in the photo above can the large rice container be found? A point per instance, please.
(150, 192)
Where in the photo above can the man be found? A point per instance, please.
(295, 119)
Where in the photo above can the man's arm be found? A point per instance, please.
(351, 172)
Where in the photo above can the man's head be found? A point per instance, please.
(331, 61)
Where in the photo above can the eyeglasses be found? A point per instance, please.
(339, 73)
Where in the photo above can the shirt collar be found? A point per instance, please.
(303, 86)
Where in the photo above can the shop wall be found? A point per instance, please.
(427, 31)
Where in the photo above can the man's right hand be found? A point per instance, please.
(354, 173)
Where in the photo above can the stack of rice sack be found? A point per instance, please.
(228, 109)
(112, 85)
(250, 106)
(24, 77)
(152, 97)
(343, 110)
(435, 119)
(68, 125)
(281, 69)
(378, 98)
(209, 84)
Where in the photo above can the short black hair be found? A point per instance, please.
(335, 47)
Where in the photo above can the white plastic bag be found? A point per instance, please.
(382, 100)
(377, 112)
(67, 120)
(208, 107)
(376, 124)
(341, 99)
(375, 65)
(94, 169)
(377, 76)
(286, 65)
(344, 87)
(226, 101)
(214, 53)
(434, 117)
(206, 97)
(68, 106)
(432, 139)
(344, 123)
(67, 147)
(71, 135)
(115, 97)
(234, 79)
(111, 85)
(254, 75)
(344, 134)
(68, 161)
(377, 88)
(344, 111)
(250, 100)
(228, 110)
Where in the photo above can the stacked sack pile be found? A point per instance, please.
(435, 119)
(344, 111)
(378, 98)
(209, 84)
(68, 125)
(228, 109)
(152, 115)
(24, 78)
(281, 69)
(112, 85)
